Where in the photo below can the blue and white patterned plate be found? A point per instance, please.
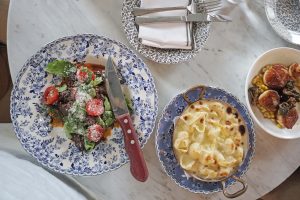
(165, 133)
(284, 17)
(49, 145)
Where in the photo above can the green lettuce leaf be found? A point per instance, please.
(92, 92)
(88, 145)
(62, 88)
(108, 118)
(107, 105)
(109, 122)
(69, 128)
(60, 68)
(96, 82)
(101, 122)
(107, 115)
(129, 105)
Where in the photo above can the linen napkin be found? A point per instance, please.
(21, 179)
(166, 35)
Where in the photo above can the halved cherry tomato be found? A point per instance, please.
(94, 107)
(95, 132)
(83, 75)
(51, 95)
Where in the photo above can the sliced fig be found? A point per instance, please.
(289, 119)
(269, 99)
(294, 71)
(276, 77)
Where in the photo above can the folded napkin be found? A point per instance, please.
(166, 35)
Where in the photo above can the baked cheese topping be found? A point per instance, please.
(209, 139)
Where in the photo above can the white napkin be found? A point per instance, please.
(166, 35)
(20, 179)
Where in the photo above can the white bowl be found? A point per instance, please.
(282, 55)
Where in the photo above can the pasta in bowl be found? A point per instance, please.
(209, 139)
(205, 140)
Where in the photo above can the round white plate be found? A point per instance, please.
(284, 56)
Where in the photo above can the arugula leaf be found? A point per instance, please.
(69, 128)
(92, 92)
(60, 68)
(79, 113)
(73, 125)
(62, 88)
(88, 88)
(80, 129)
(101, 122)
(109, 122)
(107, 115)
(88, 145)
(85, 87)
(108, 118)
(129, 105)
(107, 105)
(96, 82)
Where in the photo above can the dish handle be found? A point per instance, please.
(201, 88)
(235, 194)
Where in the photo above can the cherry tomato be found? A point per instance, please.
(51, 95)
(94, 107)
(95, 132)
(83, 74)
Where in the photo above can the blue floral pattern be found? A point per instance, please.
(284, 17)
(164, 140)
(48, 144)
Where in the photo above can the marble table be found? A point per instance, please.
(223, 62)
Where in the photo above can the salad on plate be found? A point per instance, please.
(79, 103)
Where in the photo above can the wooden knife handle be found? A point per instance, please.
(138, 165)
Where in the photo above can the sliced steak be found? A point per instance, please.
(70, 80)
(67, 95)
(64, 96)
(64, 107)
(100, 90)
(90, 120)
(79, 141)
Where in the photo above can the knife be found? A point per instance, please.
(138, 166)
(199, 17)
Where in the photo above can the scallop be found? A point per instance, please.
(276, 77)
(289, 119)
(269, 99)
(294, 71)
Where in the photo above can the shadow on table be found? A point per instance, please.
(289, 189)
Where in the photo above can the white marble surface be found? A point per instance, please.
(224, 62)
